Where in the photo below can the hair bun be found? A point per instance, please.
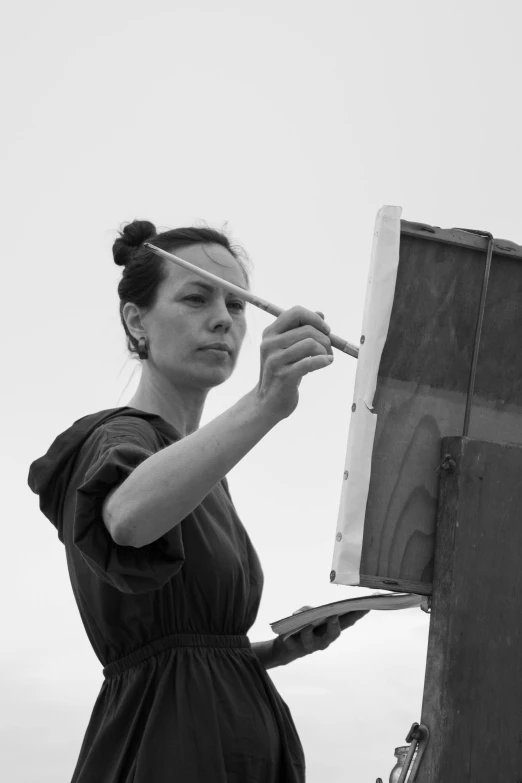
(133, 235)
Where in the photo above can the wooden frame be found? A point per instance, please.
(473, 687)
(411, 391)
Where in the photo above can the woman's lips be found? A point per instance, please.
(218, 352)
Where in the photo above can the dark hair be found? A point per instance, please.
(144, 271)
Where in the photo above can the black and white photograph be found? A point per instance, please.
(262, 397)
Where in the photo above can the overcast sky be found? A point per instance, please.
(294, 122)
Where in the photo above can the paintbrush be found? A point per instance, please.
(337, 342)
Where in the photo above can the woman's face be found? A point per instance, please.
(190, 313)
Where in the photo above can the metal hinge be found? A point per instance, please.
(418, 736)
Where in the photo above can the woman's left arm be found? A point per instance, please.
(266, 654)
(279, 652)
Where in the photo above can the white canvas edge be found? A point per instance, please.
(380, 291)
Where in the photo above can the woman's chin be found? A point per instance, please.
(211, 376)
(200, 375)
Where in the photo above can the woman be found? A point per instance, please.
(166, 579)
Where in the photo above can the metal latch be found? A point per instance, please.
(418, 736)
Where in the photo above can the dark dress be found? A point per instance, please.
(184, 699)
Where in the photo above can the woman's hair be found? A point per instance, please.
(144, 271)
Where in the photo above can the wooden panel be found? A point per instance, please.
(473, 685)
(497, 404)
(456, 236)
(422, 389)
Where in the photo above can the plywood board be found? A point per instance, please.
(386, 525)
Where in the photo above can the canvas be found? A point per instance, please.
(413, 375)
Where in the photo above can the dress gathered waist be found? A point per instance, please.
(175, 640)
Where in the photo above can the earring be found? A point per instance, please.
(142, 348)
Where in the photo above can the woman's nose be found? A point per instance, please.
(222, 314)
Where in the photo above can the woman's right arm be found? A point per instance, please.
(165, 488)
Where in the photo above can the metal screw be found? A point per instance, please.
(354, 406)
(448, 464)
(346, 474)
(362, 339)
(332, 576)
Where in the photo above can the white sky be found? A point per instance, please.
(295, 122)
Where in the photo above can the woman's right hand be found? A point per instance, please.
(295, 344)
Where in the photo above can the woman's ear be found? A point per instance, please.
(133, 318)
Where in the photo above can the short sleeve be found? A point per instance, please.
(128, 569)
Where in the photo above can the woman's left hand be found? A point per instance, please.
(311, 639)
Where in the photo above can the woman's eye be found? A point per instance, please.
(193, 297)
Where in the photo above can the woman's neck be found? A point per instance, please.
(182, 408)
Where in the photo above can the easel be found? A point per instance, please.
(444, 512)
(471, 727)
(472, 701)
(473, 684)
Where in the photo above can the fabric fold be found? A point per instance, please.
(129, 569)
